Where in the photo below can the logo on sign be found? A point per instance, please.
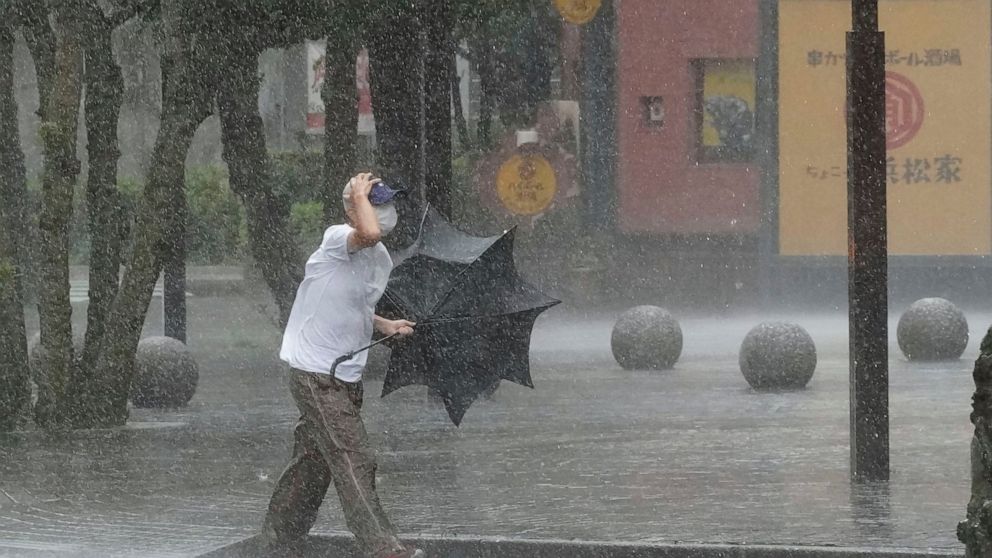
(903, 110)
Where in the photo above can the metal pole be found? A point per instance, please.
(867, 248)
(598, 145)
(437, 105)
(766, 124)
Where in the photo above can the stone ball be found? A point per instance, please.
(932, 329)
(165, 374)
(646, 337)
(778, 356)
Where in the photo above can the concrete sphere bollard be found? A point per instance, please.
(932, 329)
(778, 356)
(165, 374)
(646, 337)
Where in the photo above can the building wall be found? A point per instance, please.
(662, 186)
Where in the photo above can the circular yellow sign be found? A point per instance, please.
(526, 184)
(579, 12)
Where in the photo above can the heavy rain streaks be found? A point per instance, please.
(495, 278)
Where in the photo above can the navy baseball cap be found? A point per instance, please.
(381, 194)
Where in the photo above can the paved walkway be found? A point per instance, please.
(200, 278)
(594, 453)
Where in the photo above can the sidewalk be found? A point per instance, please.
(201, 280)
(593, 454)
(494, 547)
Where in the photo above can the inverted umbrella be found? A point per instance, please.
(473, 311)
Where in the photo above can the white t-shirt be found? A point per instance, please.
(334, 306)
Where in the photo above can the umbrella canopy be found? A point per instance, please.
(474, 315)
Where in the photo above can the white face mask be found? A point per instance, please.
(385, 214)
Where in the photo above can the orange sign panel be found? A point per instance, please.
(526, 184)
(938, 126)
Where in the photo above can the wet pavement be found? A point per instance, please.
(594, 453)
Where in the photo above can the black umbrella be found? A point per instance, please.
(474, 315)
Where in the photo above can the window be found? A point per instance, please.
(725, 101)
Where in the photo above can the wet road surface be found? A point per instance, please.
(594, 453)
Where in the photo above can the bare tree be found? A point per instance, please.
(186, 102)
(248, 163)
(58, 135)
(104, 96)
(61, 35)
(196, 41)
(339, 95)
(397, 90)
(13, 189)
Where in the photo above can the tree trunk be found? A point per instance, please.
(340, 96)
(247, 160)
(185, 104)
(976, 531)
(174, 267)
(104, 95)
(540, 40)
(395, 80)
(58, 135)
(437, 106)
(40, 39)
(13, 342)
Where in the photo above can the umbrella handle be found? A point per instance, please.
(351, 355)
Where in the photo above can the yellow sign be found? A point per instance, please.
(578, 12)
(938, 126)
(526, 184)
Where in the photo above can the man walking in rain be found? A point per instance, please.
(333, 315)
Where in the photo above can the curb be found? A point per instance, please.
(200, 280)
(458, 547)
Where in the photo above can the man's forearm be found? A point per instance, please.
(378, 322)
(366, 223)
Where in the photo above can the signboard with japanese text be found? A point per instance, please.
(315, 81)
(938, 126)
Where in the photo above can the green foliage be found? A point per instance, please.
(306, 221)
(215, 224)
(297, 175)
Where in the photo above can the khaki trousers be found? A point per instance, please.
(331, 445)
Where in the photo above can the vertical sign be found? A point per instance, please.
(315, 51)
(938, 126)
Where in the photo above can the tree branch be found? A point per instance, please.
(40, 37)
(125, 11)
